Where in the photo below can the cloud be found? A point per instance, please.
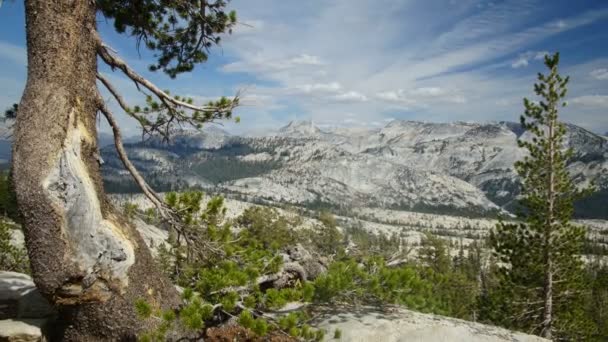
(350, 96)
(260, 101)
(261, 65)
(561, 24)
(388, 60)
(14, 53)
(318, 88)
(597, 101)
(331, 91)
(423, 96)
(503, 102)
(520, 62)
(428, 91)
(396, 96)
(305, 59)
(600, 74)
(524, 58)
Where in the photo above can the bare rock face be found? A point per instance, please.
(401, 325)
(152, 235)
(24, 313)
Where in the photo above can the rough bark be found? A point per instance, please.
(85, 259)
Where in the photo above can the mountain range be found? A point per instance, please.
(449, 168)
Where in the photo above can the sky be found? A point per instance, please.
(368, 62)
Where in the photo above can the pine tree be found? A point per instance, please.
(540, 286)
(85, 257)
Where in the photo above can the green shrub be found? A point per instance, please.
(337, 334)
(12, 258)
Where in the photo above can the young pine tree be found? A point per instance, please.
(540, 287)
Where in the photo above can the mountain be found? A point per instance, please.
(105, 139)
(300, 129)
(456, 168)
(210, 138)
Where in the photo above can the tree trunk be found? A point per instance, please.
(85, 258)
(547, 324)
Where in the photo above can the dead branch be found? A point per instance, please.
(121, 102)
(122, 154)
(168, 215)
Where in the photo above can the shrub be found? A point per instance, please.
(12, 258)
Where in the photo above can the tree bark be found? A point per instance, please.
(85, 258)
(547, 324)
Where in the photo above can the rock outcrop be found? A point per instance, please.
(401, 325)
(24, 313)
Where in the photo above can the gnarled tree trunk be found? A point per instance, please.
(90, 263)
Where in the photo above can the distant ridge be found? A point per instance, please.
(461, 168)
(300, 129)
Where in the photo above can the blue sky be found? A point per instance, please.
(367, 62)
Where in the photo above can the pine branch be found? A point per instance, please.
(281, 277)
(114, 61)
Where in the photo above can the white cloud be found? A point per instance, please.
(261, 64)
(598, 101)
(524, 58)
(267, 102)
(396, 96)
(503, 102)
(385, 52)
(520, 62)
(317, 88)
(305, 59)
(428, 91)
(350, 96)
(600, 74)
(422, 96)
(331, 91)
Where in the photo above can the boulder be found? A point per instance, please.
(397, 324)
(26, 330)
(313, 265)
(24, 313)
(19, 297)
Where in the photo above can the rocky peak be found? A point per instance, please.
(296, 128)
(208, 138)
